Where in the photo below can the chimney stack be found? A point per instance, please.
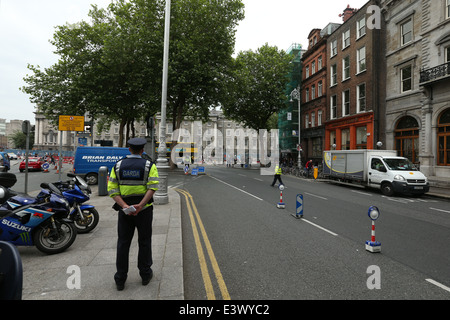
(348, 13)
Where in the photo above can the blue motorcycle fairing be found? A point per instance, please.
(37, 215)
(15, 233)
(86, 206)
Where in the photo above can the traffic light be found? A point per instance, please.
(26, 127)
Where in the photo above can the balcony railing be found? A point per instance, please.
(435, 73)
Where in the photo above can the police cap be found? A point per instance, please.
(137, 143)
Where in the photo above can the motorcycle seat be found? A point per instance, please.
(4, 213)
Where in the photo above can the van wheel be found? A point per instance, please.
(91, 178)
(386, 189)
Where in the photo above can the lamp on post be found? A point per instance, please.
(161, 196)
(295, 95)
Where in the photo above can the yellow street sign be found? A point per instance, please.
(71, 123)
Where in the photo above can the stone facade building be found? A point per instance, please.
(418, 82)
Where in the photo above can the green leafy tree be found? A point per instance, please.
(112, 66)
(19, 139)
(257, 88)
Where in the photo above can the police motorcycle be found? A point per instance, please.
(77, 191)
(40, 221)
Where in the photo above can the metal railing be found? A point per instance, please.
(435, 73)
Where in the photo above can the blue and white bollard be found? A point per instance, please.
(372, 245)
(299, 207)
(281, 204)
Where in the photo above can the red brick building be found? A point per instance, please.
(314, 93)
(356, 90)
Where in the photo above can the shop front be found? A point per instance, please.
(350, 133)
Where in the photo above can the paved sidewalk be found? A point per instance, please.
(47, 276)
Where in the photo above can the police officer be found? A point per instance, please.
(132, 183)
(277, 175)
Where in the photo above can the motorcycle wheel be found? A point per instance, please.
(88, 222)
(51, 241)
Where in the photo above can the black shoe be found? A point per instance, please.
(120, 286)
(146, 280)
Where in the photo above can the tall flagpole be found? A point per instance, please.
(162, 163)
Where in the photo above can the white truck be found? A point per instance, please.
(381, 169)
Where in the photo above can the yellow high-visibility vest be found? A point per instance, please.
(278, 170)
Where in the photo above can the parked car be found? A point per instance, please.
(12, 156)
(4, 162)
(33, 164)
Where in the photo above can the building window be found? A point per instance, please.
(307, 94)
(361, 98)
(313, 91)
(346, 103)
(307, 71)
(333, 139)
(447, 9)
(444, 139)
(345, 39)
(306, 121)
(319, 89)
(333, 75)
(406, 30)
(313, 119)
(361, 27)
(406, 79)
(407, 138)
(447, 53)
(333, 105)
(319, 117)
(333, 47)
(346, 68)
(361, 56)
(313, 67)
(319, 62)
(361, 137)
(317, 147)
(345, 139)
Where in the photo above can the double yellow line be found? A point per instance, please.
(201, 256)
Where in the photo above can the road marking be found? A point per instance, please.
(237, 188)
(201, 257)
(322, 228)
(440, 285)
(258, 179)
(363, 193)
(440, 210)
(314, 195)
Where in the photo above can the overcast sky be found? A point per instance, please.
(26, 26)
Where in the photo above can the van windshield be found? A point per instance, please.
(400, 164)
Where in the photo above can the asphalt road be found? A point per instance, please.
(262, 252)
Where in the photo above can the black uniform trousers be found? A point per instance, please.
(126, 226)
(275, 178)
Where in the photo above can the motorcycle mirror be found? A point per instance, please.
(4, 194)
(71, 175)
(54, 189)
(44, 185)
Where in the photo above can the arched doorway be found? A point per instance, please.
(443, 138)
(407, 138)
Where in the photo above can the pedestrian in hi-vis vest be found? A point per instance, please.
(277, 176)
(132, 183)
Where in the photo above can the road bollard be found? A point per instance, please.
(372, 245)
(299, 207)
(103, 181)
(281, 204)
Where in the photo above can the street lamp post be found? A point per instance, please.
(162, 163)
(295, 95)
